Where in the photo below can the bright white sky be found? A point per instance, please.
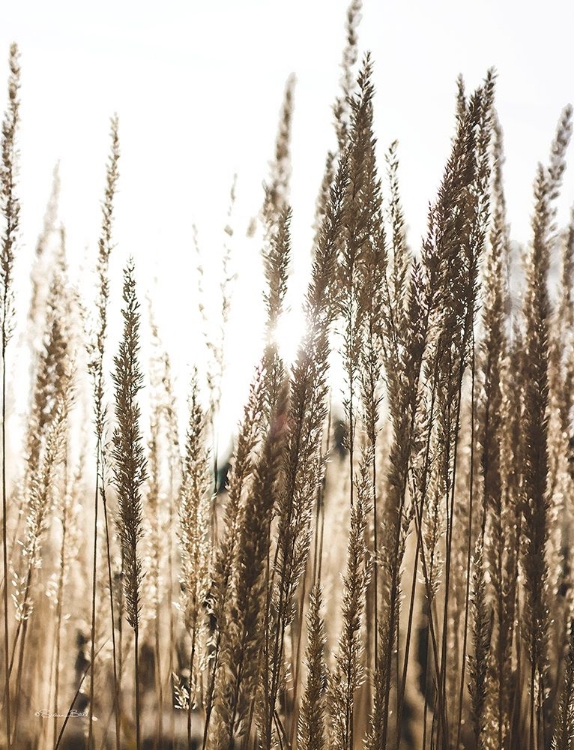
(198, 88)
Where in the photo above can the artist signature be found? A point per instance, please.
(45, 714)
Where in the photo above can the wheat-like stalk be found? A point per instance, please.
(348, 674)
(307, 413)
(242, 641)
(242, 665)
(493, 432)
(241, 476)
(129, 465)
(96, 350)
(341, 108)
(42, 255)
(537, 315)
(37, 521)
(10, 208)
(563, 736)
(277, 187)
(481, 635)
(312, 720)
(361, 238)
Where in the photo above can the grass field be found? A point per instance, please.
(385, 560)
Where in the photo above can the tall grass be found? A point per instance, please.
(387, 563)
(11, 214)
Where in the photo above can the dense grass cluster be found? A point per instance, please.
(394, 575)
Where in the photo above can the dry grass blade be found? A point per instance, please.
(312, 721)
(241, 476)
(536, 520)
(10, 210)
(129, 465)
(242, 663)
(303, 466)
(128, 454)
(96, 350)
(479, 661)
(563, 737)
(350, 56)
(244, 615)
(348, 674)
(277, 191)
(9, 201)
